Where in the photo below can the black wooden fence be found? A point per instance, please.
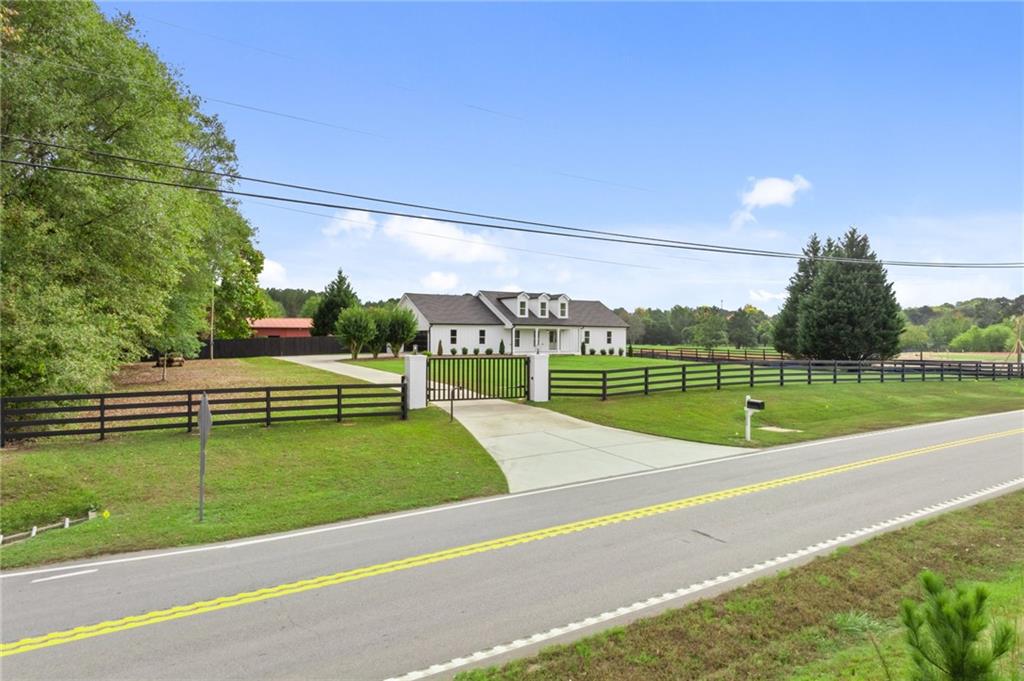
(268, 347)
(718, 375)
(39, 416)
(727, 355)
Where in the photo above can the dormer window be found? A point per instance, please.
(563, 309)
(522, 308)
(543, 306)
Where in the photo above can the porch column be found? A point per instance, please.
(535, 341)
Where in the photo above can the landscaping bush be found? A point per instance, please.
(426, 353)
(593, 351)
(583, 348)
(440, 348)
(603, 352)
(454, 351)
(489, 351)
(501, 347)
(621, 352)
(476, 351)
(465, 350)
(630, 349)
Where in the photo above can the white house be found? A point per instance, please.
(527, 323)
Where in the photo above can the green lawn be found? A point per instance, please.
(820, 410)
(596, 362)
(797, 625)
(259, 479)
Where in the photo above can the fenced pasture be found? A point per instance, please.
(100, 414)
(605, 383)
(683, 352)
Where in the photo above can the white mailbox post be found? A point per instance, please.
(749, 407)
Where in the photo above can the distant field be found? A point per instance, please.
(962, 356)
(222, 373)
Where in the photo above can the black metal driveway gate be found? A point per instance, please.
(477, 378)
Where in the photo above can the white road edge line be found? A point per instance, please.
(701, 586)
(489, 500)
(67, 574)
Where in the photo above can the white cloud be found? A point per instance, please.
(768, 191)
(440, 281)
(442, 241)
(350, 222)
(760, 295)
(273, 275)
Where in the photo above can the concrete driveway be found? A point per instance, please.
(538, 448)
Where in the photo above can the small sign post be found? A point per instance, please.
(749, 407)
(205, 422)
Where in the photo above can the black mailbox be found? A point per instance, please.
(755, 404)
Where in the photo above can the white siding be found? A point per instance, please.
(468, 336)
(599, 339)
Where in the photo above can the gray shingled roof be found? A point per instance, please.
(449, 309)
(581, 312)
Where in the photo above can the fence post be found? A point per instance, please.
(860, 364)
(417, 373)
(718, 376)
(942, 371)
(903, 371)
(647, 380)
(684, 377)
(405, 399)
(959, 371)
(977, 374)
(103, 417)
(835, 367)
(751, 372)
(782, 374)
(2, 441)
(189, 424)
(764, 354)
(808, 372)
(339, 400)
(267, 391)
(604, 385)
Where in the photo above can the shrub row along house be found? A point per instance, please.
(521, 323)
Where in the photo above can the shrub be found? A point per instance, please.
(465, 350)
(489, 351)
(426, 353)
(593, 351)
(630, 349)
(501, 347)
(476, 351)
(399, 327)
(454, 351)
(603, 352)
(621, 352)
(355, 327)
(583, 348)
(440, 348)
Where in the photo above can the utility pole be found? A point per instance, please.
(213, 300)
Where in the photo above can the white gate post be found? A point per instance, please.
(538, 378)
(416, 380)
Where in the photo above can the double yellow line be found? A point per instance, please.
(179, 612)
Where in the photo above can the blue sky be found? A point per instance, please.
(741, 124)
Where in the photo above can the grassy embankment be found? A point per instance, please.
(258, 479)
(817, 411)
(806, 623)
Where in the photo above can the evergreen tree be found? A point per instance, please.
(784, 331)
(709, 329)
(336, 297)
(850, 311)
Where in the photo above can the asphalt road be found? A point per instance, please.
(395, 594)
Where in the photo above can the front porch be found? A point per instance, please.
(529, 340)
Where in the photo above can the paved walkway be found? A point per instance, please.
(537, 447)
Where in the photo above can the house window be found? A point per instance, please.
(586, 337)
(609, 337)
(563, 310)
(454, 337)
(543, 309)
(483, 336)
(522, 308)
(515, 338)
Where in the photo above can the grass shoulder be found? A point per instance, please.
(797, 624)
(808, 411)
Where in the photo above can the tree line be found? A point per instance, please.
(978, 325)
(98, 271)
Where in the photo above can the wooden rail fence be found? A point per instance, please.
(99, 414)
(682, 377)
(727, 355)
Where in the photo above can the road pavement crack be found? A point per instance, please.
(709, 536)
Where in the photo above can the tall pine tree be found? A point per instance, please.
(850, 311)
(336, 297)
(785, 330)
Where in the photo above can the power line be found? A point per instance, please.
(405, 204)
(589, 237)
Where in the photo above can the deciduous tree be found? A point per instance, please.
(355, 327)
